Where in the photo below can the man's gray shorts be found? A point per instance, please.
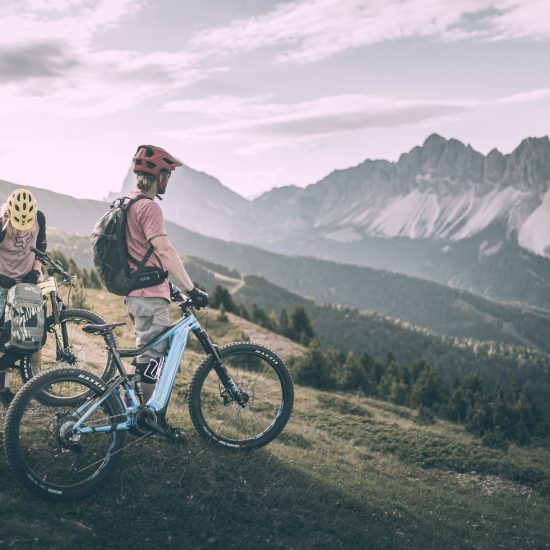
(150, 317)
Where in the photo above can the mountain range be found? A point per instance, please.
(442, 190)
(443, 212)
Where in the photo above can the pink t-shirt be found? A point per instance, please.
(16, 258)
(145, 221)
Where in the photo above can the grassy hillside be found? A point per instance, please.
(347, 472)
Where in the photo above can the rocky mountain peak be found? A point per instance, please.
(434, 142)
(443, 163)
(528, 165)
(495, 164)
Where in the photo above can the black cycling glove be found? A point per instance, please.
(198, 296)
(7, 282)
(31, 277)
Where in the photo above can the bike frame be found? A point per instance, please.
(177, 335)
(50, 288)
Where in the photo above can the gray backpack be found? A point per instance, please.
(24, 321)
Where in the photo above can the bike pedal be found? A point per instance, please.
(174, 435)
(177, 436)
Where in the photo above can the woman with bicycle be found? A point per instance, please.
(22, 227)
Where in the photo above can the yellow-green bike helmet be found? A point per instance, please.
(22, 209)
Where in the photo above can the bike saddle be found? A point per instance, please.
(101, 329)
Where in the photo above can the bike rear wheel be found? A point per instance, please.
(68, 346)
(41, 448)
(262, 377)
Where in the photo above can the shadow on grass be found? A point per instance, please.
(198, 496)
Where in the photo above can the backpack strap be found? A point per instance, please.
(126, 206)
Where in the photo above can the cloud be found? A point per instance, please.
(345, 113)
(521, 19)
(227, 107)
(312, 30)
(267, 125)
(38, 60)
(95, 84)
(322, 116)
(75, 22)
(525, 97)
(52, 39)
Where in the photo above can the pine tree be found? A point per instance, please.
(480, 418)
(284, 326)
(373, 371)
(457, 408)
(390, 376)
(260, 317)
(301, 325)
(221, 295)
(95, 282)
(351, 376)
(312, 368)
(243, 312)
(428, 390)
(85, 279)
(399, 392)
(504, 416)
(222, 317)
(78, 297)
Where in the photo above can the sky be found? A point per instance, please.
(259, 93)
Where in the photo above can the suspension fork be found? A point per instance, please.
(60, 337)
(59, 330)
(211, 349)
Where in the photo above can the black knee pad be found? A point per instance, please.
(150, 372)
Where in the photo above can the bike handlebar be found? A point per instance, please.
(177, 296)
(56, 265)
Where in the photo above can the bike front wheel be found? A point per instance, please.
(43, 449)
(68, 346)
(266, 385)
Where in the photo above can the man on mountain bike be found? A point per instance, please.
(148, 307)
(22, 227)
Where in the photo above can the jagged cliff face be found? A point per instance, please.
(441, 190)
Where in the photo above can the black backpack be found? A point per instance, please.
(111, 256)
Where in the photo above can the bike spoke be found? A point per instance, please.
(255, 378)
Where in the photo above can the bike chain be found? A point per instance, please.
(138, 440)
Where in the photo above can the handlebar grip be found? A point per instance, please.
(38, 252)
(56, 265)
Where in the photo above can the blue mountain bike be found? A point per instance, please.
(240, 397)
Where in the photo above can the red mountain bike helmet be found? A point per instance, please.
(153, 160)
